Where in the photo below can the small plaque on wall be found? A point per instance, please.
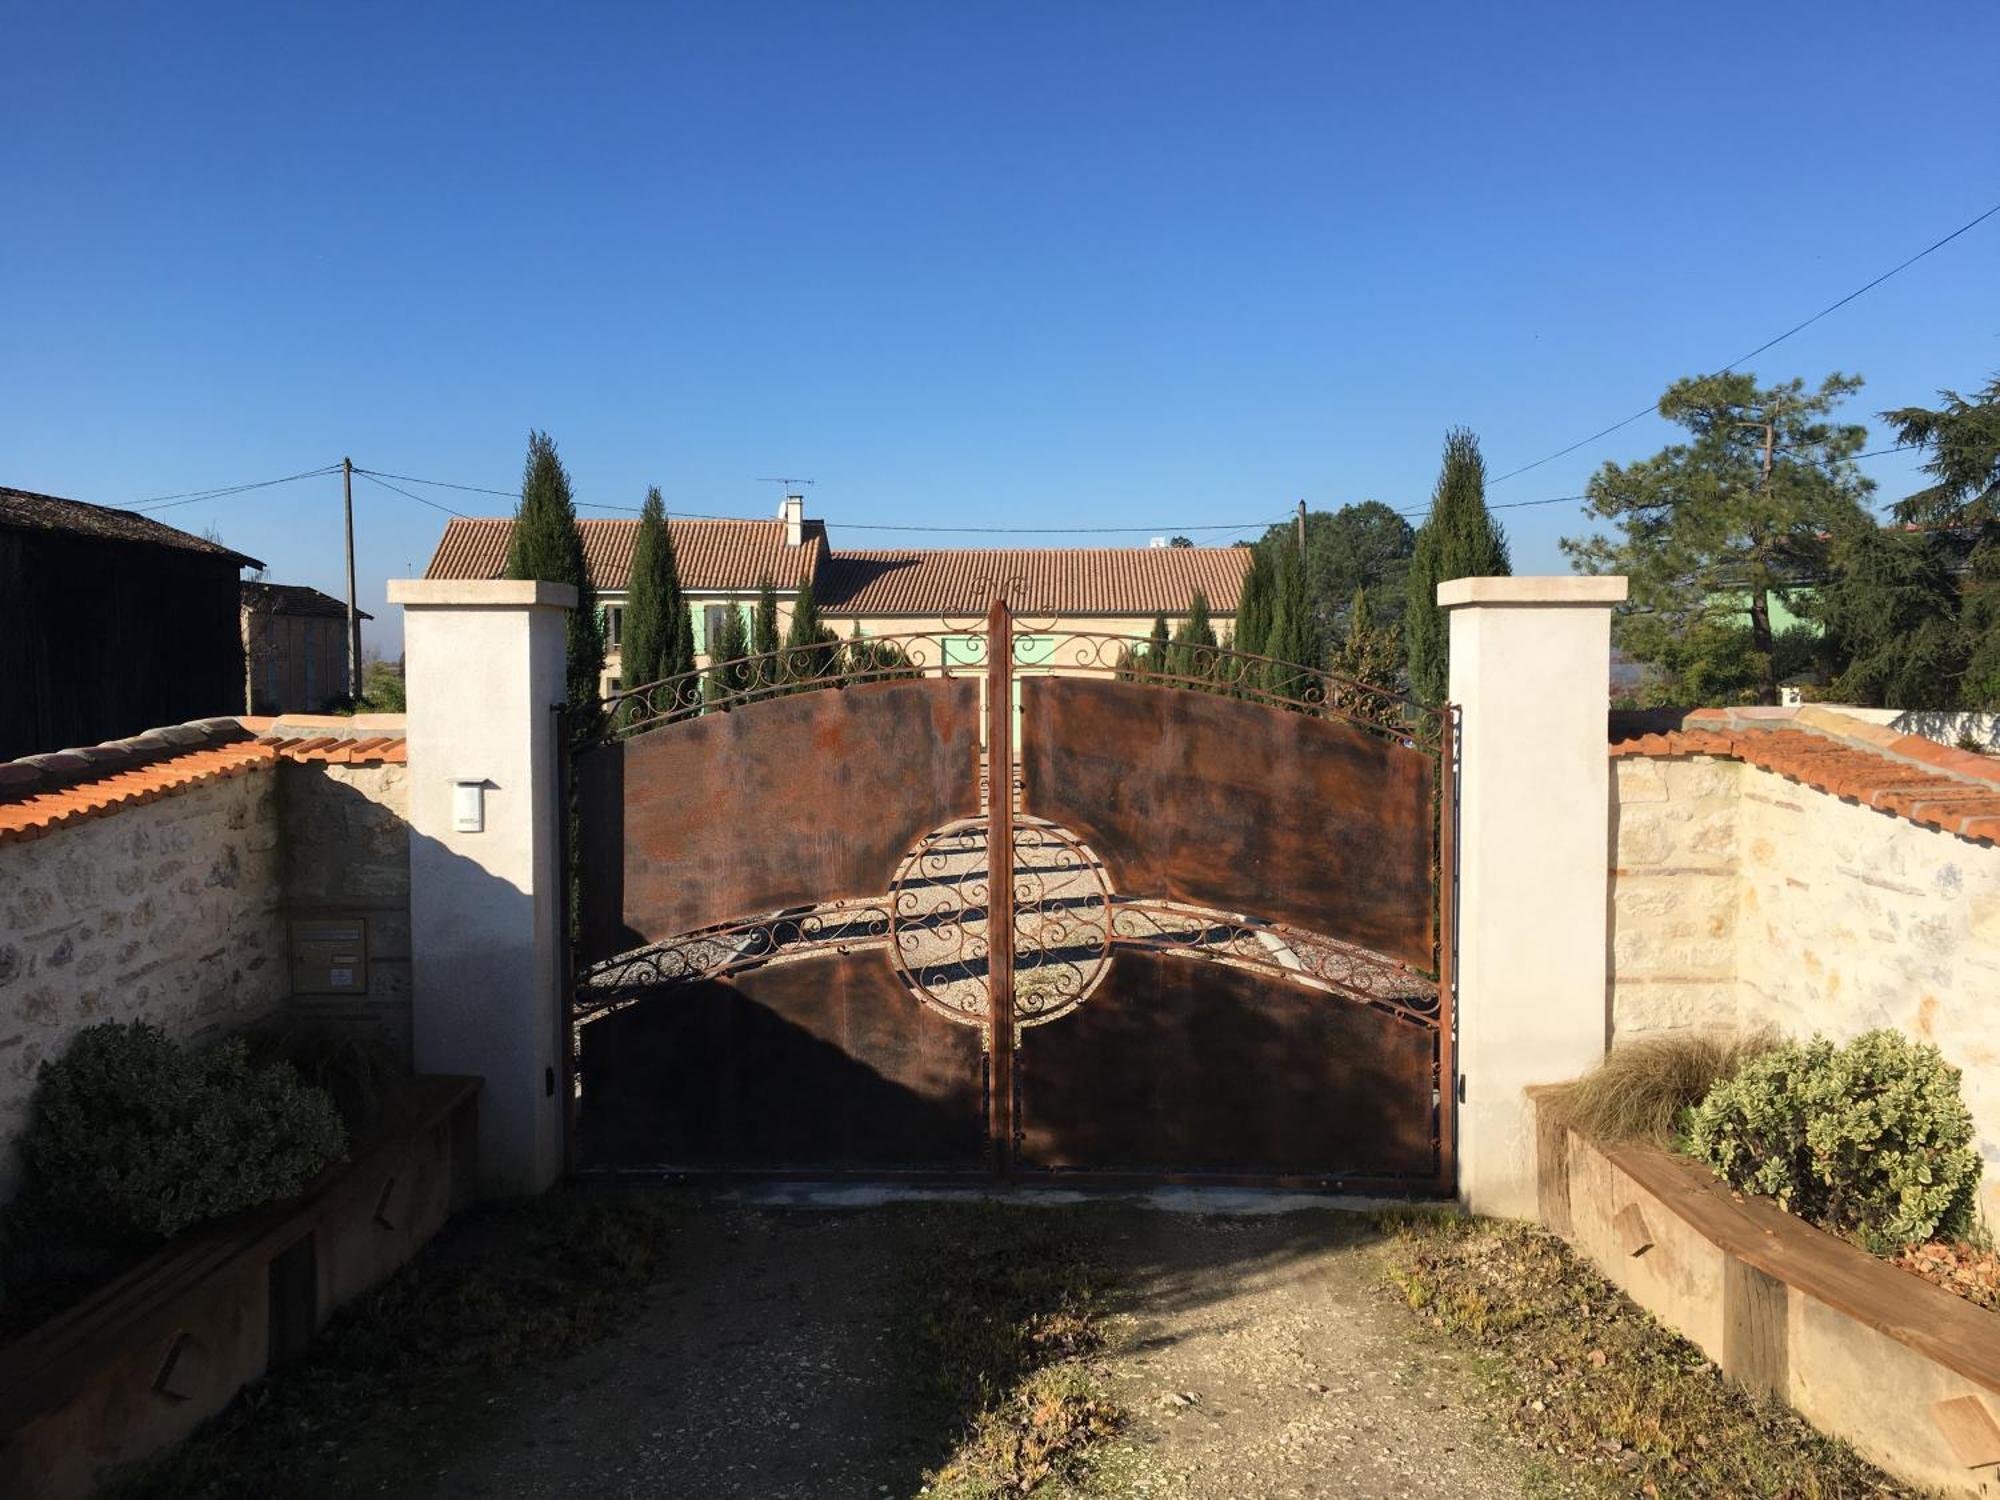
(330, 956)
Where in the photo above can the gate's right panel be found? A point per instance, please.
(1239, 805)
(1265, 1008)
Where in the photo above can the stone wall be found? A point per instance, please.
(1742, 898)
(169, 911)
(347, 855)
(177, 893)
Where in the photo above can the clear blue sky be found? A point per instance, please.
(1027, 264)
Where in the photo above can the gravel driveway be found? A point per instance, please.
(1259, 1356)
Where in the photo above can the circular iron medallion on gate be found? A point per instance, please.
(939, 904)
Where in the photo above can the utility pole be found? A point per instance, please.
(1302, 528)
(353, 614)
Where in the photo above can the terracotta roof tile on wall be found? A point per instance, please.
(710, 554)
(1952, 790)
(1061, 580)
(41, 793)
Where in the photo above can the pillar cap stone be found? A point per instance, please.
(480, 593)
(1567, 588)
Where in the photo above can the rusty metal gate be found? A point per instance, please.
(1018, 900)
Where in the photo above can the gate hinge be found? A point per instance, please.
(1461, 1088)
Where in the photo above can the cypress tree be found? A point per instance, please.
(1253, 606)
(1152, 662)
(1290, 642)
(1370, 655)
(1459, 539)
(808, 643)
(1192, 655)
(659, 641)
(764, 635)
(548, 546)
(727, 676)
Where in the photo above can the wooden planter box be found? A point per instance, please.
(1905, 1371)
(145, 1360)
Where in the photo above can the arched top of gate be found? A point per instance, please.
(1229, 673)
(1039, 646)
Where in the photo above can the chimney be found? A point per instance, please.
(793, 513)
(1158, 541)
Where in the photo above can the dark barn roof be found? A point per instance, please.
(294, 599)
(24, 510)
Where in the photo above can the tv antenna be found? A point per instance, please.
(789, 484)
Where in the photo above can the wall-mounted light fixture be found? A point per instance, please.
(468, 804)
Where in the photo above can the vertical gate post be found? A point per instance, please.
(1000, 882)
(484, 662)
(1531, 673)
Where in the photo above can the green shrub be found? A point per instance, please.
(1870, 1140)
(135, 1137)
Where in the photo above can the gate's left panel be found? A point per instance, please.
(736, 1005)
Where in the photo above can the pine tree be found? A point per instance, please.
(1459, 539)
(728, 677)
(548, 546)
(1716, 532)
(764, 643)
(659, 641)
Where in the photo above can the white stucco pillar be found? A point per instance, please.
(484, 664)
(1531, 673)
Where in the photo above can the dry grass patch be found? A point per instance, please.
(1616, 1404)
(1642, 1088)
(1004, 1309)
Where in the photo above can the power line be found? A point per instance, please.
(372, 478)
(480, 489)
(443, 484)
(1767, 344)
(191, 497)
(1424, 510)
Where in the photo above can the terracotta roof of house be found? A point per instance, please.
(1061, 580)
(41, 793)
(709, 554)
(295, 599)
(1915, 778)
(24, 510)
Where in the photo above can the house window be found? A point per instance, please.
(614, 626)
(712, 616)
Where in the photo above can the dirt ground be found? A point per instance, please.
(1259, 1356)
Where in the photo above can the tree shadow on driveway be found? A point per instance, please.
(773, 1358)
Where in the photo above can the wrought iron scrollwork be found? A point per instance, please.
(1303, 957)
(730, 948)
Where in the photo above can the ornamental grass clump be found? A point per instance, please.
(1871, 1140)
(1642, 1090)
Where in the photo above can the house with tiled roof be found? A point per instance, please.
(1116, 590)
(110, 623)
